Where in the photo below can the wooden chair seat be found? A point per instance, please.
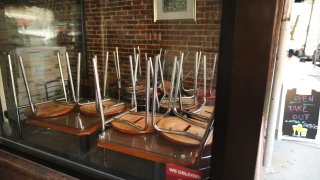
(164, 104)
(200, 93)
(176, 123)
(206, 111)
(49, 110)
(90, 109)
(136, 118)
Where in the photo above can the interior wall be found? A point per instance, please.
(129, 23)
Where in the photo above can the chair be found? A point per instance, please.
(46, 109)
(110, 106)
(134, 122)
(203, 139)
(99, 102)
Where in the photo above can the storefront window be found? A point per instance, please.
(65, 123)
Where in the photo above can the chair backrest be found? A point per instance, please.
(54, 91)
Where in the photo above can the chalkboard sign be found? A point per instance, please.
(300, 115)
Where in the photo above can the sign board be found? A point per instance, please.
(174, 172)
(299, 115)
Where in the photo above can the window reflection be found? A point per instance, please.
(38, 32)
(31, 25)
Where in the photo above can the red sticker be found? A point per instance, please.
(174, 172)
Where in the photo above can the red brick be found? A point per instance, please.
(129, 23)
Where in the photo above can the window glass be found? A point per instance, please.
(42, 32)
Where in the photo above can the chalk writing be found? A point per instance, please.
(301, 114)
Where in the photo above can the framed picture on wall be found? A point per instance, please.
(174, 9)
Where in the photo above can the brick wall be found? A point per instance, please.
(129, 23)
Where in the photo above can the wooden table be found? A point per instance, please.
(149, 146)
(72, 123)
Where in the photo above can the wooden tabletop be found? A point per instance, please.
(49, 110)
(72, 123)
(149, 146)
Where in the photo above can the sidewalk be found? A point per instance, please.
(294, 161)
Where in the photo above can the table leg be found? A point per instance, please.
(84, 146)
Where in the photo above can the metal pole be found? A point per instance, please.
(25, 80)
(164, 60)
(78, 77)
(213, 70)
(119, 74)
(152, 75)
(105, 79)
(137, 59)
(196, 68)
(204, 76)
(151, 64)
(161, 74)
(98, 95)
(199, 59)
(62, 79)
(178, 80)
(133, 84)
(173, 77)
(115, 64)
(70, 77)
(13, 88)
(147, 93)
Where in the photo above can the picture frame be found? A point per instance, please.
(174, 9)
